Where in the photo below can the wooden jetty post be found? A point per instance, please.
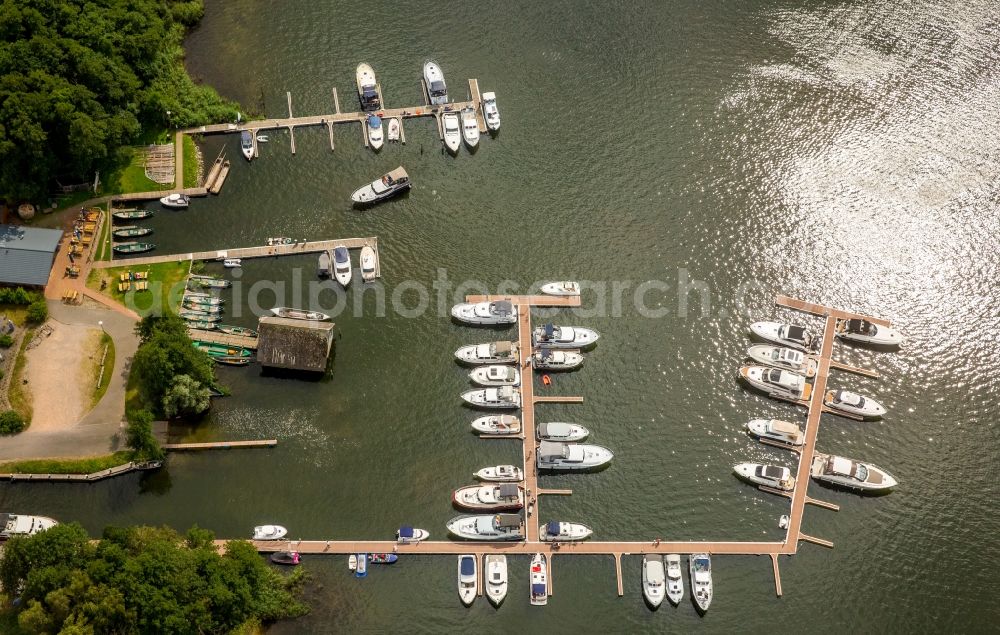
(481, 557)
(288, 94)
(291, 133)
(618, 573)
(329, 128)
(816, 541)
(557, 399)
(402, 131)
(549, 575)
(364, 131)
(777, 574)
(378, 91)
(336, 102)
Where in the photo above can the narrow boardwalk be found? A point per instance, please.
(225, 339)
(221, 445)
(118, 470)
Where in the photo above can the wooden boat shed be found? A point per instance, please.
(294, 344)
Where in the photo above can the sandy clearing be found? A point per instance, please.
(59, 373)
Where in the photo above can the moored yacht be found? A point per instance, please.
(487, 313)
(342, 265)
(407, 534)
(487, 527)
(368, 271)
(376, 132)
(866, 332)
(246, 144)
(23, 525)
(367, 87)
(496, 376)
(852, 403)
(776, 430)
(437, 90)
(386, 186)
(490, 353)
(783, 334)
(556, 531)
(495, 569)
(468, 578)
(548, 359)
(654, 580)
(562, 288)
(176, 200)
(495, 497)
(502, 397)
(552, 336)
(490, 111)
(777, 382)
(766, 475)
(269, 532)
(700, 567)
(452, 131)
(539, 580)
(851, 474)
(675, 581)
(783, 357)
(470, 127)
(571, 456)
(559, 431)
(497, 424)
(500, 473)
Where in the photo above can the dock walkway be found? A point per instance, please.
(225, 339)
(221, 445)
(100, 475)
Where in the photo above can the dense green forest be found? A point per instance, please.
(81, 78)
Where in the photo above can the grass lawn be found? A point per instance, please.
(14, 312)
(109, 367)
(133, 396)
(20, 399)
(67, 466)
(132, 178)
(190, 162)
(166, 284)
(102, 245)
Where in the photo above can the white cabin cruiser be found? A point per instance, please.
(487, 527)
(342, 265)
(491, 497)
(246, 144)
(867, 332)
(489, 353)
(23, 525)
(766, 475)
(496, 578)
(376, 132)
(552, 336)
(555, 531)
(563, 288)
(496, 376)
(368, 272)
(175, 201)
(501, 473)
(654, 580)
(269, 532)
(437, 90)
(468, 578)
(502, 397)
(558, 431)
(539, 581)
(571, 456)
(489, 313)
(407, 535)
(784, 334)
(776, 430)
(499, 425)
(548, 359)
(452, 131)
(490, 111)
(700, 567)
(470, 127)
(367, 87)
(675, 581)
(774, 381)
(386, 186)
(851, 474)
(853, 403)
(783, 357)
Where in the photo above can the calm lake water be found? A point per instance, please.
(845, 153)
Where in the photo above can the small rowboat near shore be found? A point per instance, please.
(134, 248)
(131, 231)
(132, 214)
(299, 314)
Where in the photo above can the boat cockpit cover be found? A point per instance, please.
(368, 93)
(340, 255)
(856, 326)
(840, 465)
(543, 429)
(550, 330)
(503, 307)
(468, 565)
(552, 528)
(438, 88)
(538, 589)
(508, 520)
(772, 471)
(550, 449)
(502, 347)
(508, 490)
(796, 332)
(245, 137)
(773, 376)
(406, 531)
(374, 121)
(849, 398)
(784, 427)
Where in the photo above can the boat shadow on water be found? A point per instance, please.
(862, 493)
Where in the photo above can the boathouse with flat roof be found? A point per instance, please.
(26, 254)
(302, 345)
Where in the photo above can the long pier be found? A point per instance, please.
(100, 475)
(152, 196)
(225, 339)
(220, 445)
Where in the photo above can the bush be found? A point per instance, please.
(11, 422)
(6, 341)
(139, 436)
(16, 295)
(38, 311)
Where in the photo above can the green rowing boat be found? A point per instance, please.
(132, 214)
(131, 231)
(237, 330)
(134, 248)
(221, 350)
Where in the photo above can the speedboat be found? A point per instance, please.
(558, 431)
(367, 87)
(392, 129)
(323, 266)
(502, 397)
(437, 90)
(489, 313)
(783, 357)
(290, 558)
(496, 376)
(501, 473)
(496, 578)
(495, 497)
(23, 525)
(555, 531)
(766, 475)
(675, 583)
(382, 558)
(452, 131)
(299, 314)
(851, 474)
(563, 288)
(407, 535)
(552, 336)
(362, 569)
(368, 263)
(490, 111)
(175, 201)
(386, 186)
(784, 334)
(776, 430)
(866, 332)
(232, 263)
(777, 382)
(654, 580)
(499, 425)
(269, 532)
(246, 144)
(470, 127)
(539, 581)
(490, 353)
(556, 456)
(342, 265)
(375, 132)
(548, 359)
(852, 403)
(489, 527)
(700, 567)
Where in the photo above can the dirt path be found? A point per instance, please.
(60, 376)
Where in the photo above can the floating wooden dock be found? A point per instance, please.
(118, 470)
(225, 339)
(220, 445)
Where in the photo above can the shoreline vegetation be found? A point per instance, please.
(166, 277)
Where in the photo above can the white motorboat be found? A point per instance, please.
(437, 90)
(452, 131)
(342, 265)
(783, 334)
(487, 527)
(497, 424)
(489, 353)
(539, 580)
(470, 127)
(367, 87)
(488, 313)
(563, 288)
(386, 186)
(299, 314)
(700, 567)
(851, 474)
(777, 382)
(376, 132)
(776, 430)
(555, 531)
(392, 129)
(262, 138)
(491, 497)
(501, 473)
(502, 397)
(468, 578)
(675, 581)
(490, 111)
(556, 456)
(352, 562)
(654, 580)
(175, 201)
(852, 403)
(552, 336)
(866, 332)
(783, 357)
(269, 532)
(496, 578)
(232, 263)
(548, 359)
(558, 431)
(406, 535)
(246, 144)
(323, 265)
(766, 475)
(23, 525)
(362, 570)
(496, 376)
(368, 271)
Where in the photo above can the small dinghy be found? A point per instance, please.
(502, 397)
(548, 359)
(784, 334)
(555, 531)
(232, 360)
(382, 558)
(133, 248)
(262, 138)
(468, 578)
(564, 288)
(470, 127)
(199, 316)
(851, 474)
(496, 376)
(499, 425)
(865, 332)
(654, 580)
(352, 562)
(132, 214)
(552, 336)
(558, 431)
(290, 558)
(491, 112)
(776, 430)
(362, 569)
(375, 131)
(783, 357)
(368, 272)
(496, 497)
(131, 231)
(491, 353)
(767, 475)
(675, 581)
(232, 263)
(452, 131)
(539, 581)
(486, 313)
(496, 578)
(501, 473)
(299, 314)
(175, 201)
(852, 403)
(323, 265)
(237, 330)
(407, 535)
(700, 567)
(392, 130)
(269, 532)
